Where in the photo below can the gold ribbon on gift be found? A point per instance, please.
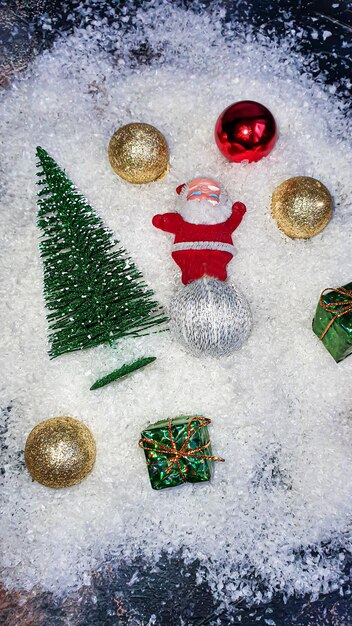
(184, 452)
(343, 306)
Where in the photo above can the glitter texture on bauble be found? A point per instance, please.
(302, 207)
(60, 452)
(245, 131)
(209, 317)
(139, 153)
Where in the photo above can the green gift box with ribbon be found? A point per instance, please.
(178, 450)
(333, 321)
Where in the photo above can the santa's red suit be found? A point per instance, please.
(201, 249)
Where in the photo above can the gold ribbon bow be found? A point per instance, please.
(344, 306)
(184, 452)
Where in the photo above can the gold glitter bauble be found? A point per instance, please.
(60, 452)
(302, 207)
(139, 153)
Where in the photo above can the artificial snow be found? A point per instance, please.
(281, 407)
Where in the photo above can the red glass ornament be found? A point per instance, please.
(246, 130)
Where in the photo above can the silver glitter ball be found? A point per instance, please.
(209, 317)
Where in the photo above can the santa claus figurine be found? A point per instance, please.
(203, 227)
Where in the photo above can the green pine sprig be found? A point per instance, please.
(125, 370)
(93, 291)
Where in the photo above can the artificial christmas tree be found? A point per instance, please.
(92, 289)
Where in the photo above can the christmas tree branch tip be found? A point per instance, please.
(123, 371)
(40, 153)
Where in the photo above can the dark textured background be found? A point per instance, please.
(170, 592)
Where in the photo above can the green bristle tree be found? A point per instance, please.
(93, 290)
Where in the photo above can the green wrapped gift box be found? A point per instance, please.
(178, 450)
(333, 321)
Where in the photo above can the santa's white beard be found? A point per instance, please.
(203, 212)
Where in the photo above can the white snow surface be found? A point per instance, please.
(281, 407)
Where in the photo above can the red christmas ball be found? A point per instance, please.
(246, 130)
